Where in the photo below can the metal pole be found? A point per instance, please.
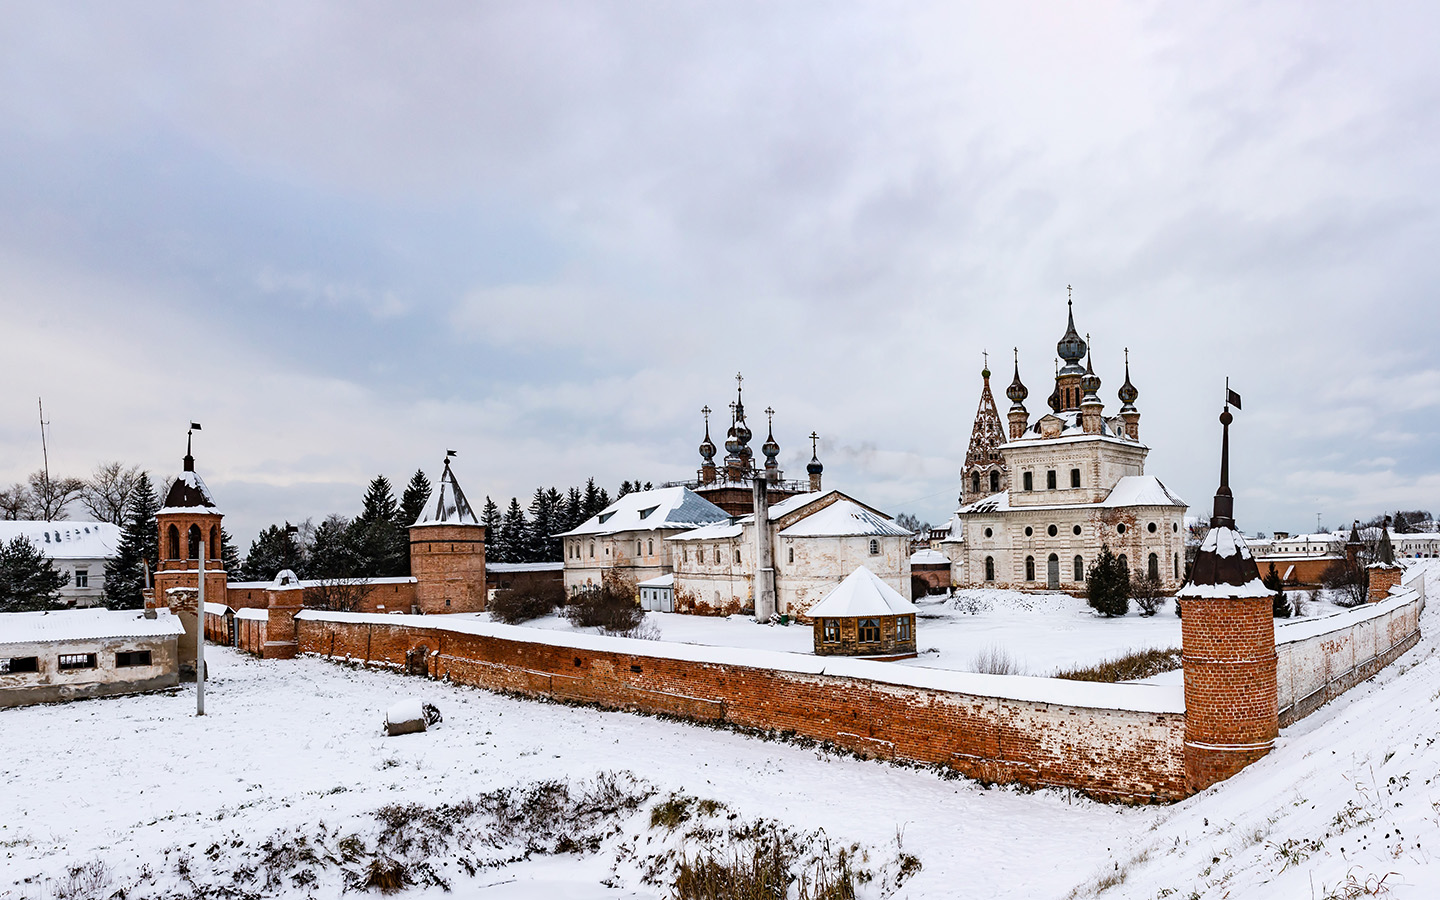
(200, 636)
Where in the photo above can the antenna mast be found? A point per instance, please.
(44, 449)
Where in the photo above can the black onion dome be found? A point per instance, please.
(1054, 399)
(1128, 393)
(707, 446)
(815, 467)
(770, 448)
(732, 442)
(1071, 347)
(1017, 392)
(1090, 382)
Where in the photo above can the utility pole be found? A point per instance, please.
(45, 455)
(200, 635)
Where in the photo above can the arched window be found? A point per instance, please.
(989, 568)
(974, 482)
(1154, 567)
(737, 556)
(1177, 566)
(1027, 481)
(874, 547)
(592, 549)
(193, 546)
(700, 555)
(994, 482)
(1029, 568)
(1124, 563)
(650, 547)
(172, 543)
(790, 555)
(638, 550)
(1079, 568)
(214, 541)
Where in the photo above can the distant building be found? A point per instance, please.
(628, 537)
(72, 654)
(1071, 481)
(817, 539)
(78, 549)
(658, 594)
(523, 576)
(864, 616)
(932, 567)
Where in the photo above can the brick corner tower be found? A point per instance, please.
(447, 552)
(1228, 646)
(189, 526)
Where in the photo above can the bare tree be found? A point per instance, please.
(337, 594)
(50, 496)
(108, 491)
(14, 502)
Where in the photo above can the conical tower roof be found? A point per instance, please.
(1224, 566)
(449, 507)
(986, 436)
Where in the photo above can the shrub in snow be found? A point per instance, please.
(1281, 602)
(995, 660)
(1108, 584)
(515, 606)
(613, 607)
(1348, 584)
(1149, 594)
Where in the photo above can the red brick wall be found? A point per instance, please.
(1231, 703)
(448, 562)
(1113, 754)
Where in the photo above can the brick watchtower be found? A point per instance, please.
(447, 552)
(1228, 641)
(189, 525)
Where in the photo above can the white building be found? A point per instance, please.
(817, 539)
(79, 549)
(1074, 481)
(629, 536)
(70, 654)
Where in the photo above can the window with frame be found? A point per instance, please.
(874, 547)
(1027, 481)
(1050, 480)
(1124, 562)
(830, 631)
(82, 577)
(994, 482)
(790, 555)
(70, 662)
(638, 549)
(132, 658)
(989, 568)
(650, 548)
(869, 631)
(737, 556)
(1029, 568)
(902, 629)
(1074, 478)
(14, 665)
(592, 549)
(1152, 567)
(1079, 568)
(975, 482)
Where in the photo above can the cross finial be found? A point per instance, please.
(705, 411)
(814, 439)
(1127, 356)
(1070, 295)
(739, 379)
(986, 354)
(1017, 355)
(770, 416)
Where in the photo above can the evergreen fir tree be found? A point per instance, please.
(380, 542)
(1281, 604)
(543, 524)
(574, 510)
(1108, 584)
(29, 580)
(625, 488)
(229, 556)
(514, 533)
(139, 546)
(335, 552)
(490, 518)
(591, 503)
(272, 551)
(412, 502)
(604, 500)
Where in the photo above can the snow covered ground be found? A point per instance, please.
(171, 804)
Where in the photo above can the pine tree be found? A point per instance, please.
(1108, 584)
(273, 551)
(381, 543)
(490, 518)
(514, 532)
(335, 552)
(28, 578)
(543, 524)
(229, 556)
(625, 488)
(139, 546)
(1281, 604)
(591, 504)
(412, 502)
(574, 510)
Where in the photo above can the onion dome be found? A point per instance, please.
(707, 446)
(1017, 392)
(1128, 393)
(1090, 383)
(1056, 404)
(815, 467)
(1071, 348)
(732, 442)
(770, 448)
(742, 432)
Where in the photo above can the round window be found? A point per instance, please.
(1076, 529)
(1029, 531)
(1120, 529)
(1175, 526)
(1052, 531)
(1150, 528)
(989, 532)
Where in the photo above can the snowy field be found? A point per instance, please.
(136, 792)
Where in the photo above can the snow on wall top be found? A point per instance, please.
(187, 493)
(66, 540)
(1153, 698)
(928, 557)
(506, 568)
(672, 507)
(84, 625)
(1130, 490)
(1072, 429)
(862, 593)
(842, 519)
(1289, 631)
(664, 581)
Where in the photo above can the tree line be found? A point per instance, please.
(527, 534)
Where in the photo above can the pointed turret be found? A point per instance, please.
(707, 451)
(771, 449)
(447, 551)
(985, 467)
(815, 469)
(1091, 407)
(1017, 392)
(1128, 394)
(450, 506)
(1071, 348)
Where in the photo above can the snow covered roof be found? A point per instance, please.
(672, 507)
(1072, 429)
(719, 531)
(928, 557)
(1130, 490)
(506, 568)
(664, 581)
(187, 493)
(862, 593)
(1224, 568)
(449, 506)
(843, 518)
(66, 540)
(217, 609)
(84, 625)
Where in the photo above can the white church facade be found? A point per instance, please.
(1041, 500)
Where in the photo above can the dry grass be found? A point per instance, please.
(996, 660)
(1137, 664)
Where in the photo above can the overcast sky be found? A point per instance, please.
(347, 237)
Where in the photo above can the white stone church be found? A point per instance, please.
(1040, 501)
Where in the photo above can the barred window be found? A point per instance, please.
(69, 662)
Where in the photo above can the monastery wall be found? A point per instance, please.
(1116, 742)
(1320, 659)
